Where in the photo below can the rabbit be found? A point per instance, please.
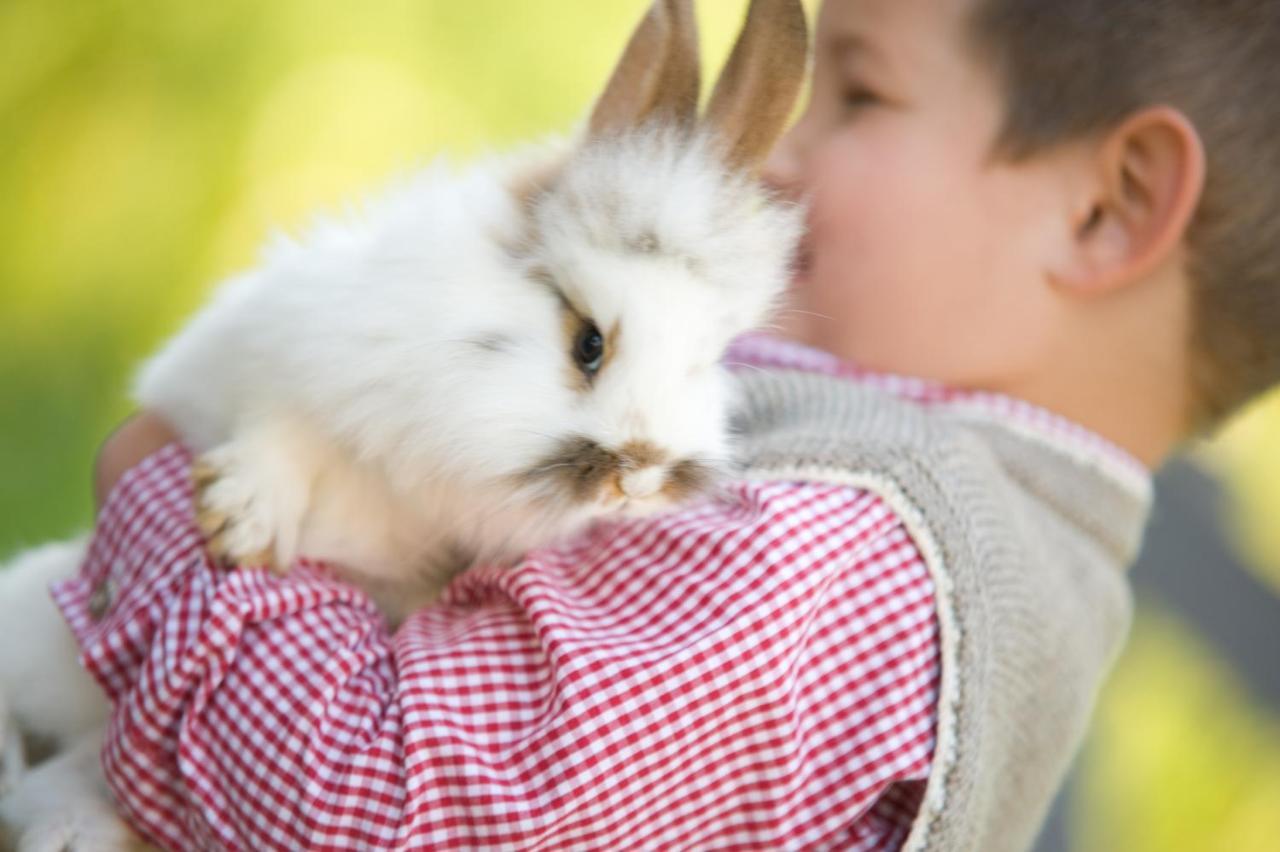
(481, 361)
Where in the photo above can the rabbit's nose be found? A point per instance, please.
(643, 482)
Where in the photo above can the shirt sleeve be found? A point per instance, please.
(759, 671)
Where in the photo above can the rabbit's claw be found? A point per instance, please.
(233, 511)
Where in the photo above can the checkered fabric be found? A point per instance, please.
(755, 672)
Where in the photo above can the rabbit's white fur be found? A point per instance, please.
(375, 392)
(64, 805)
(56, 706)
(44, 693)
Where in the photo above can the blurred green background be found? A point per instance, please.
(147, 148)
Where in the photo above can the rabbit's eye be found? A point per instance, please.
(588, 348)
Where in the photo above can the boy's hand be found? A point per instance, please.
(137, 438)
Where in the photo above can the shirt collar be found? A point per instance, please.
(1031, 421)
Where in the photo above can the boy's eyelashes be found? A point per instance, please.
(859, 97)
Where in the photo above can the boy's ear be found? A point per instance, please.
(1147, 176)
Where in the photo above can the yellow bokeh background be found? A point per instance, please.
(147, 149)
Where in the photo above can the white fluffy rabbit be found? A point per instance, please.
(480, 361)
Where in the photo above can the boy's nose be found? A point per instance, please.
(782, 169)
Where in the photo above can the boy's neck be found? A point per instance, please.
(1143, 423)
(1119, 367)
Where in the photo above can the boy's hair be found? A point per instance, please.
(1071, 68)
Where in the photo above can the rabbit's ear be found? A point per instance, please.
(759, 85)
(657, 77)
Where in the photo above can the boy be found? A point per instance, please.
(1045, 215)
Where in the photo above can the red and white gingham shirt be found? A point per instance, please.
(756, 672)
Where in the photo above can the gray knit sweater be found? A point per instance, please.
(1027, 540)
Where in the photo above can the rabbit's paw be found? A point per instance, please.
(92, 830)
(236, 509)
(63, 805)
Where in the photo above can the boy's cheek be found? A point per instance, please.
(870, 193)
(887, 302)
